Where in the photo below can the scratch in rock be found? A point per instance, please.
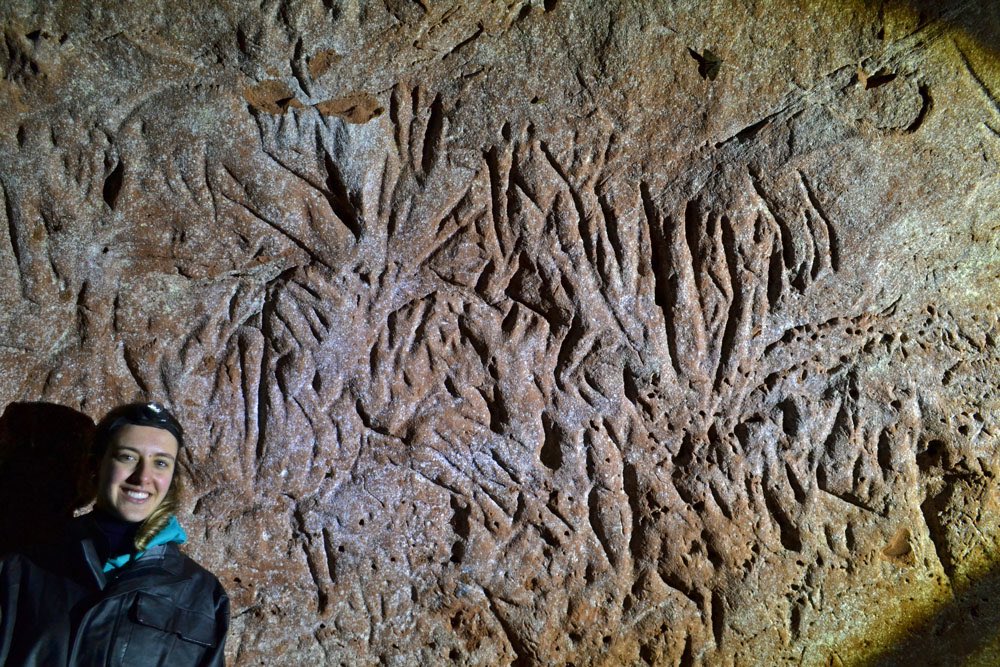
(299, 69)
(522, 654)
(134, 370)
(984, 89)
(664, 273)
(833, 245)
(299, 243)
(785, 232)
(850, 499)
(13, 215)
(465, 42)
(752, 130)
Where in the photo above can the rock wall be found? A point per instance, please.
(533, 332)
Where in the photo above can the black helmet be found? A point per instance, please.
(135, 414)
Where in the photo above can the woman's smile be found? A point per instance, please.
(137, 496)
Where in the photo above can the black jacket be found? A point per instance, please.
(57, 607)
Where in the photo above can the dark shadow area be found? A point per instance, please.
(956, 633)
(979, 19)
(43, 449)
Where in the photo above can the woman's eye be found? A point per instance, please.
(124, 458)
(162, 464)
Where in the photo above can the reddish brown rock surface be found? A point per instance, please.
(533, 332)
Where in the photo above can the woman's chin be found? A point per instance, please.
(128, 511)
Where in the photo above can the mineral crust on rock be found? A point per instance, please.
(534, 332)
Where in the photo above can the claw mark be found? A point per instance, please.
(737, 314)
(465, 42)
(400, 132)
(785, 233)
(832, 245)
(596, 511)
(433, 137)
(687, 657)
(113, 185)
(267, 311)
(718, 616)
(551, 451)
(499, 166)
(581, 213)
(523, 656)
(299, 68)
(611, 219)
(724, 506)
(775, 274)
(789, 534)
(343, 203)
(664, 276)
(517, 179)
(135, 370)
(747, 133)
(582, 217)
(313, 255)
(306, 539)
(13, 224)
(983, 88)
(328, 552)
(793, 480)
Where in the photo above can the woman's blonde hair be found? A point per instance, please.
(142, 414)
(155, 522)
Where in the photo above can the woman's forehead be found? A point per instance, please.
(148, 440)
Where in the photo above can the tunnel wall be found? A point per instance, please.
(541, 332)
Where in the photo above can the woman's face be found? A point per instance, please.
(136, 471)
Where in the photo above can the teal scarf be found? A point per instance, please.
(172, 532)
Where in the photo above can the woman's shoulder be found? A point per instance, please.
(193, 570)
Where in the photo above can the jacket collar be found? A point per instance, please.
(163, 562)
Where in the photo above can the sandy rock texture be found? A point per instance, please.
(533, 332)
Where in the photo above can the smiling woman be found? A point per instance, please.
(117, 590)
